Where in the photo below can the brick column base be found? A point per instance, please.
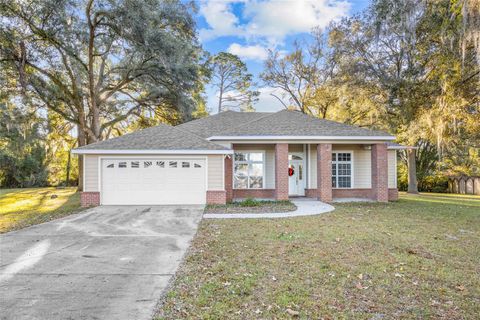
(89, 199)
(216, 197)
(380, 172)
(324, 172)
(281, 171)
(392, 194)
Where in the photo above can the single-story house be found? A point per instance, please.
(234, 155)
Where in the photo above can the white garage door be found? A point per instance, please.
(153, 181)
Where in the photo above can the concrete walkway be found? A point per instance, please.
(109, 262)
(305, 207)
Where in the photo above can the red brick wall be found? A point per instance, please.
(380, 172)
(324, 172)
(311, 193)
(254, 193)
(216, 197)
(229, 178)
(354, 193)
(393, 194)
(281, 171)
(89, 199)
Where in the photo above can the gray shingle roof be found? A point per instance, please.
(282, 123)
(192, 135)
(219, 123)
(161, 137)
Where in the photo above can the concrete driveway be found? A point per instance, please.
(108, 262)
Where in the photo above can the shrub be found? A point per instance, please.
(434, 183)
(249, 202)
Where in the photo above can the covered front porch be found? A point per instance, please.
(323, 171)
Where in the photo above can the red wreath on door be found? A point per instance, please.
(291, 171)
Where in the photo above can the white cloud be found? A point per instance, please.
(220, 18)
(254, 52)
(269, 20)
(267, 102)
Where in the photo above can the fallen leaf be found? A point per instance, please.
(360, 276)
(449, 236)
(460, 288)
(293, 313)
(398, 275)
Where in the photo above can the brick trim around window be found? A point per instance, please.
(254, 193)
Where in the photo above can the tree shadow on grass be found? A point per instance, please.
(32, 206)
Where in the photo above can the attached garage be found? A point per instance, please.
(161, 165)
(153, 181)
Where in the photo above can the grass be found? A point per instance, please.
(252, 206)
(20, 208)
(417, 258)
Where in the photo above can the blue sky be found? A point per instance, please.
(249, 28)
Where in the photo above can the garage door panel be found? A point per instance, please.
(153, 181)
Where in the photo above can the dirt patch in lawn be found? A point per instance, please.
(252, 206)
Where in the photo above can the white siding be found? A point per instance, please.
(270, 169)
(392, 168)
(215, 172)
(295, 148)
(362, 168)
(91, 173)
(215, 168)
(312, 160)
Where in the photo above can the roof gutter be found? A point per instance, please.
(321, 138)
(401, 147)
(100, 151)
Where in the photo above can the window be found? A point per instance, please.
(248, 170)
(135, 164)
(196, 165)
(342, 170)
(294, 157)
(161, 164)
(147, 164)
(185, 164)
(111, 165)
(172, 164)
(122, 164)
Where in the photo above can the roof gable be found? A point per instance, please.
(295, 123)
(220, 123)
(161, 137)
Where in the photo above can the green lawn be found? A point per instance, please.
(418, 258)
(20, 208)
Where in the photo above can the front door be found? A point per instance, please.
(296, 172)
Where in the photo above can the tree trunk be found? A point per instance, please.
(412, 171)
(220, 102)
(67, 180)
(80, 172)
(81, 142)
